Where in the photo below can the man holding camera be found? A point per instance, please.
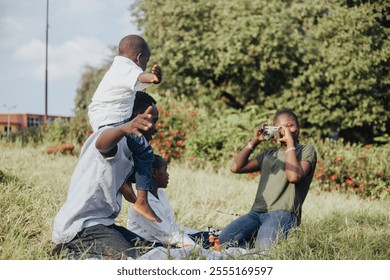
(286, 175)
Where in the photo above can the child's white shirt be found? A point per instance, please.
(168, 231)
(113, 100)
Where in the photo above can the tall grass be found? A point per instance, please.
(334, 226)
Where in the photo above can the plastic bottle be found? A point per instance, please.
(211, 238)
(217, 243)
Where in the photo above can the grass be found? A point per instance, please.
(334, 226)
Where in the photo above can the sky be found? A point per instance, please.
(81, 32)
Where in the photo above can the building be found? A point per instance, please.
(18, 122)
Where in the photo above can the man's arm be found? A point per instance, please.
(295, 170)
(128, 192)
(242, 163)
(108, 139)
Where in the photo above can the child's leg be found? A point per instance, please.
(142, 207)
(143, 164)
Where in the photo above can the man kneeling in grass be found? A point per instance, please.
(85, 225)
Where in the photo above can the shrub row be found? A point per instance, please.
(198, 138)
(211, 140)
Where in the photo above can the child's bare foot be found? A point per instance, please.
(144, 209)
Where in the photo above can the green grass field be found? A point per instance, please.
(334, 226)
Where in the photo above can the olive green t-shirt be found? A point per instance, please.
(274, 191)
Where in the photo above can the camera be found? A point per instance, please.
(271, 132)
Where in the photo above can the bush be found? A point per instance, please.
(350, 168)
(176, 122)
(186, 133)
(220, 136)
(56, 132)
(32, 136)
(212, 140)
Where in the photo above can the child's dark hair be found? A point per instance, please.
(141, 102)
(287, 112)
(159, 162)
(133, 45)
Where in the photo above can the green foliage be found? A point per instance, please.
(32, 135)
(350, 168)
(347, 79)
(57, 132)
(220, 136)
(212, 140)
(79, 127)
(194, 134)
(327, 60)
(176, 121)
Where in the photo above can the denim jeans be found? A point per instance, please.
(143, 157)
(104, 242)
(261, 229)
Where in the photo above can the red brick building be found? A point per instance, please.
(18, 122)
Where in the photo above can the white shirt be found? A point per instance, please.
(94, 196)
(168, 231)
(113, 99)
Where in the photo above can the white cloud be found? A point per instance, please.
(65, 61)
(32, 51)
(10, 31)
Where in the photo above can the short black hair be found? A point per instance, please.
(133, 45)
(159, 162)
(287, 112)
(141, 102)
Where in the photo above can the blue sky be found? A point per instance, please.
(81, 33)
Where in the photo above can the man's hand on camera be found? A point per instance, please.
(286, 136)
(259, 133)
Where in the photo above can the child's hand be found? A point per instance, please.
(156, 71)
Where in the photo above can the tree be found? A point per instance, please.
(347, 81)
(327, 60)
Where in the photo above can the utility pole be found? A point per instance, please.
(47, 42)
(9, 118)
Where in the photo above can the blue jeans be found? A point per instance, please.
(143, 157)
(261, 229)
